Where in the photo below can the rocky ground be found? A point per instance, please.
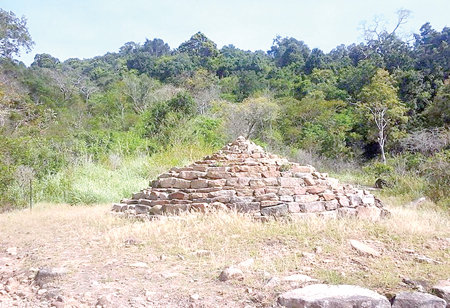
(61, 256)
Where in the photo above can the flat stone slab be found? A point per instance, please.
(442, 289)
(331, 296)
(417, 299)
(364, 249)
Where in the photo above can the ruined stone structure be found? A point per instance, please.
(244, 178)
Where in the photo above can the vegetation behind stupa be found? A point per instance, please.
(95, 130)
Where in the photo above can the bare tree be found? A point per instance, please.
(377, 30)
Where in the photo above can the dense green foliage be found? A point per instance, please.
(355, 103)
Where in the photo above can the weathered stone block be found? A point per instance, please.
(217, 183)
(200, 167)
(191, 175)
(283, 191)
(223, 199)
(177, 201)
(194, 196)
(270, 174)
(368, 199)
(368, 212)
(315, 189)
(278, 210)
(199, 207)
(306, 198)
(354, 200)
(331, 205)
(200, 183)
(346, 212)
(180, 183)
(265, 197)
(175, 208)
(167, 175)
(270, 181)
(271, 190)
(312, 207)
(156, 210)
(160, 202)
(217, 175)
(179, 195)
(141, 209)
(302, 175)
(221, 193)
(244, 192)
(245, 207)
(267, 203)
(286, 198)
(118, 207)
(241, 181)
(293, 207)
(343, 201)
(166, 182)
(290, 182)
(257, 183)
(309, 181)
(236, 199)
(141, 195)
(145, 202)
(328, 196)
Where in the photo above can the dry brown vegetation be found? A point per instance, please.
(184, 255)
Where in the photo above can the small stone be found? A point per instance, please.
(139, 264)
(42, 291)
(12, 251)
(231, 273)
(48, 273)
(246, 263)
(364, 249)
(298, 278)
(272, 282)
(104, 301)
(195, 296)
(202, 253)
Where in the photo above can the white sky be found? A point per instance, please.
(87, 28)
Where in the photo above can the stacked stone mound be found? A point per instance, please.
(244, 178)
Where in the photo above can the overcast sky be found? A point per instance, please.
(87, 28)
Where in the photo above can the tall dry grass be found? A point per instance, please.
(61, 235)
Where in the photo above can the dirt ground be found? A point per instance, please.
(94, 259)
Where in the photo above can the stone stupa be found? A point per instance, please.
(244, 178)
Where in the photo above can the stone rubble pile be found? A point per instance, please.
(243, 177)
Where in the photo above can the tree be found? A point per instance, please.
(438, 112)
(13, 35)
(287, 51)
(156, 47)
(201, 49)
(45, 60)
(251, 117)
(380, 104)
(139, 90)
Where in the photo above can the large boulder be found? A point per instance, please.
(331, 296)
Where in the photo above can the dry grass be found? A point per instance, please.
(99, 248)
